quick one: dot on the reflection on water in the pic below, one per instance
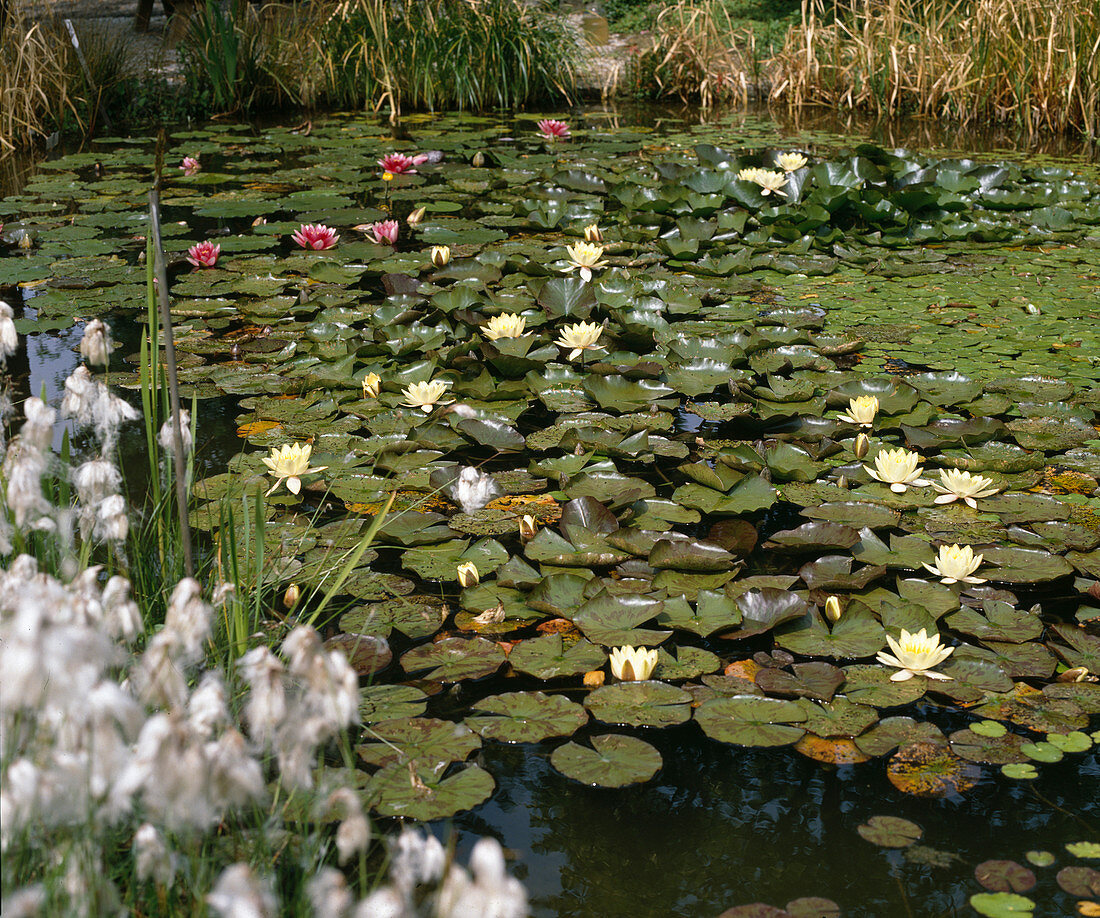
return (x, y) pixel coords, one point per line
(721, 826)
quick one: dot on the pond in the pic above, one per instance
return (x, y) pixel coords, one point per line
(775, 389)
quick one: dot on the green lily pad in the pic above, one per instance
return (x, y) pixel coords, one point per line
(613, 761)
(390, 702)
(549, 657)
(454, 659)
(423, 739)
(640, 704)
(526, 717)
(746, 720)
(1001, 905)
(424, 793)
(890, 832)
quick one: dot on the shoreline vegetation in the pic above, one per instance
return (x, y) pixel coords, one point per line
(1031, 65)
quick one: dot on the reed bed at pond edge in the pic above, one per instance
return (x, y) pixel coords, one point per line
(1024, 61)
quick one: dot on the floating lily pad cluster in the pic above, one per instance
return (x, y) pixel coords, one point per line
(1005, 881)
(686, 484)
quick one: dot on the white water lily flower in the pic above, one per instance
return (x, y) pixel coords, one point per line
(959, 485)
(580, 337)
(956, 564)
(770, 182)
(791, 162)
(898, 469)
(468, 575)
(586, 256)
(861, 411)
(372, 385)
(508, 325)
(290, 463)
(633, 664)
(426, 395)
(915, 654)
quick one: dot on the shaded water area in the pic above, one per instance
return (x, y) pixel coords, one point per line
(690, 476)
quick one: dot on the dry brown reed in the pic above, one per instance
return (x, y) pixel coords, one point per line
(697, 54)
(35, 87)
(1031, 62)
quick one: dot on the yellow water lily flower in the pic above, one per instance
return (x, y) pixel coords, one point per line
(586, 256)
(898, 469)
(959, 485)
(289, 464)
(956, 564)
(528, 527)
(592, 233)
(508, 325)
(861, 411)
(372, 385)
(770, 182)
(633, 664)
(441, 255)
(468, 575)
(791, 162)
(915, 654)
(426, 395)
(580, 337)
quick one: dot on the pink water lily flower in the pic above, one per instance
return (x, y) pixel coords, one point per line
(204, 255)
(190, 165)
(384, 233)
(553, 130)
(401, 163)
(315, 236)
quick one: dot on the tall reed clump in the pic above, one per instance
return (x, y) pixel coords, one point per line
(697, 53)
(139, 775)
(34, 85)
(446, 54)
(1033, 63)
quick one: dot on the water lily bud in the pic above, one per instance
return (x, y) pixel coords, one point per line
(842, 481)
(862, 444)
(833, 611)
(1032, 310)
(477, 160)
(468, 575)
(372, 385)
(527, 528)
(416, 216)
(441, 255)
(594, 679)
(592, 233)
(260, 221)
(1076, 674)
(292, 595)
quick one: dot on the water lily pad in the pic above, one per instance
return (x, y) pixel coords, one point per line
(891, 732)
(550, 657)
(890, 831)
(526, 717)
(640, 704)
(390, 702)
(424, 739)
(746, 720)
(613, 761)
(613, 620)
(831, 750)
(1001, 905)
(986, 749)
(423, 793)
(927, 769)
(1004, 876)
(1088, 849)
(818, 680)
(454, 659)
(857, 634)
(1079, 881)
